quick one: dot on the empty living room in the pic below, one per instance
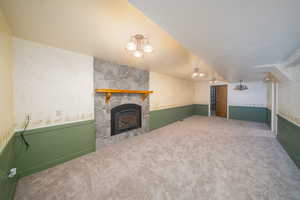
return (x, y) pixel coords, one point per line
(149, 100)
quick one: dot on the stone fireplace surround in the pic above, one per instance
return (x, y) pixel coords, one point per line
(108, 75)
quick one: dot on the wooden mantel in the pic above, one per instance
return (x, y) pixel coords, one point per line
(108, 93)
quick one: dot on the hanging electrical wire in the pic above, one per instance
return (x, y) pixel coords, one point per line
(22, 133)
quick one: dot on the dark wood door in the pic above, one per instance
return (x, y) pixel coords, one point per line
(221, 100)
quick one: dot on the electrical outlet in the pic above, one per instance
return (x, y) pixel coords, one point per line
(12, 172)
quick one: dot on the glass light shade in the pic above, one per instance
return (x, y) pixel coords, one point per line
(267, 79)
(213, 81)
(138, 54)
(148, 48)
(194, 75)
(131, 46)
(201, 74)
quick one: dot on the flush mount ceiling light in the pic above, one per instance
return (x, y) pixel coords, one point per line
(213, 80)
(139, 45)
(268, 78)
(197, 73)
(241, 86)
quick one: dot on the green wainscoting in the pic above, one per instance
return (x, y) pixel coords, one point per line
(7, 161)
(201, 109)
(289, 138)
(163, 117)
(49, 146)
(53, 145)
(255, 114)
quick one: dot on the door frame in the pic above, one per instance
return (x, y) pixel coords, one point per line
(209, 105)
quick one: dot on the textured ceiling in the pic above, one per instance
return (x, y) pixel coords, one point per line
(99, 28)
(233, 36)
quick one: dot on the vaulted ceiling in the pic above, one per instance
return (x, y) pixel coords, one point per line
(236, 37)
(240, 39)
(99, 28)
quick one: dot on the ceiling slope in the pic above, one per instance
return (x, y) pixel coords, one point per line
(98, 28)
(233, 36)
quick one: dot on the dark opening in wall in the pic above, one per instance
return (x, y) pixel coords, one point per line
(125, 117)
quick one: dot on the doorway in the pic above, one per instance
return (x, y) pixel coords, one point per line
(218, 100)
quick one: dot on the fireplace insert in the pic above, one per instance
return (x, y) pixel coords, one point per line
(125, 117)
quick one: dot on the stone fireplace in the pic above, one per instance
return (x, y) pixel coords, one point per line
(126, 115)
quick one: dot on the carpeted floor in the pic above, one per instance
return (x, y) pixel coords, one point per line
(198, 158)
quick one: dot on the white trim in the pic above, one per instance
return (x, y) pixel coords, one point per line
(276, 106)
(273, 107)
(209, 101)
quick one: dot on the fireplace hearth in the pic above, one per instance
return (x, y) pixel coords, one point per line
(125, 117)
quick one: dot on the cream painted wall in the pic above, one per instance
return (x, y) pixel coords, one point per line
(6, 95)
(169, 91)
(289, 96)
(202, 92)
(52, 85)
(255, 96)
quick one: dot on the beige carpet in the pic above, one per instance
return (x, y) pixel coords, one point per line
(198, 158)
